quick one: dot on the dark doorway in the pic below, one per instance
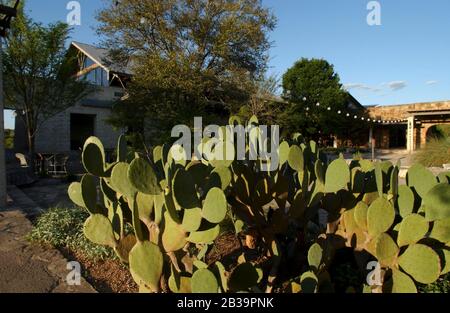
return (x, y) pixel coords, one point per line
(397, 136)
(82, 126)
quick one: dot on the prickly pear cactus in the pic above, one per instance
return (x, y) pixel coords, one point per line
(162, 214)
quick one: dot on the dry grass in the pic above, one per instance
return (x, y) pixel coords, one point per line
(435, 154)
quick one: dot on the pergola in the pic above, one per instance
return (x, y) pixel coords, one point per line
(422, 120)
(7, 13)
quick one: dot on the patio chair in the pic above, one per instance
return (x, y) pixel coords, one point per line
(23, 159)
(57, 165)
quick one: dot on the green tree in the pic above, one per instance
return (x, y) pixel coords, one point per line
(39, 77)
(264, 102)
(189, 57)
(310, 82)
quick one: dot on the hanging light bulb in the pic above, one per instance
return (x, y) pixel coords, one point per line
(318, 104)
(304, 98)
(348, 114)
(356, 117)
(329, 109)
(339, 112)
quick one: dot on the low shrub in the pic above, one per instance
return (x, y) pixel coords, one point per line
(62, 227)
(435, 153)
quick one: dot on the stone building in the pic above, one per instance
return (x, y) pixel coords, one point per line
(67, 131)
(408, 126)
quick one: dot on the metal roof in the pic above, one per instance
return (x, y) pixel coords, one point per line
(101, 57)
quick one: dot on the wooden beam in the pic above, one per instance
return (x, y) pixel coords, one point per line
(86, 70)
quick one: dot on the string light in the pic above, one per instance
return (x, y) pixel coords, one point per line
(380, 121)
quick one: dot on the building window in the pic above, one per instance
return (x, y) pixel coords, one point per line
(98, 76)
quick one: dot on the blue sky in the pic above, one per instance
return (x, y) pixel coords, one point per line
(406, 59)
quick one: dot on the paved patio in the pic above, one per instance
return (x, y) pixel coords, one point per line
(26, 267)
(49, 192)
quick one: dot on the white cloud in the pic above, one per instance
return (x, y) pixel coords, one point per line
(396, 85)
(360, 86)
(431, 82)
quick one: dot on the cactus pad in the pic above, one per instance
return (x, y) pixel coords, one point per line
(380, 217)
(337, 176)
(421, 262)
(215, 206)
(421, 179)
(98, 229)
(295, 158)
(386, 250)
(143, 178)
(413, 228)
(436, 202)
(146, 264)
(204, 281)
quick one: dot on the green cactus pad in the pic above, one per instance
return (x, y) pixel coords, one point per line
(93, 156)
(446, 258)
(379, 178)
(380, 217)
(192, 219)
(393, 186)
(204, 236)
(157, 154)
(145, 206)
(199, 264)
(444, 177)
(223, 154)
(75, 195)
(234, 120)
(315, 254)
(146, 264)
(421, 179)
(361, 215)
(174, 236)
(238, 226)
(243, 277)
(221, 177)
(401, 283)
(180, 285)
(421, 262)
(215, 206)
(441, 230)
(413, 228)
(366, 166)
(222, 274)
(309, 282)
(204, 281)
(436, 202)
(124, 247)
(319, 170)
(143, 178)
(405, 200)
(183, 189)
(170, 208)
(98, 229)
(337, 176)
(283, 152)
(89, 193)
(107, 191)
(120, 182)
(122, 149)
(295, 158)
(386, 250)
(178, 154)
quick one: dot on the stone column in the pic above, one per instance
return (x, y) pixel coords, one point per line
(410, 135)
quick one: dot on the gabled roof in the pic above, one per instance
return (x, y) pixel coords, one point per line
(101, 57)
